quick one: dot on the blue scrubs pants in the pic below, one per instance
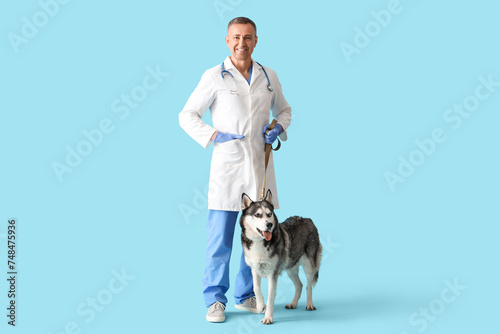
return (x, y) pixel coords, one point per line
(220, 230)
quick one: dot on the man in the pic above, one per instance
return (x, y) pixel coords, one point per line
(240, 93)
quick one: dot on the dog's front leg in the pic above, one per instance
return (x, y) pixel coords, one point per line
(258, 292)
(272, 283)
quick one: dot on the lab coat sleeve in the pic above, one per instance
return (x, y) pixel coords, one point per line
(190, 117)
(280, 109)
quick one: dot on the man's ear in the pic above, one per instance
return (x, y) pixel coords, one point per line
(269, 197)
(227, 40)
(245, 201)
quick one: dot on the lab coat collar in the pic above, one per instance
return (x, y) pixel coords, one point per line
(228, 64)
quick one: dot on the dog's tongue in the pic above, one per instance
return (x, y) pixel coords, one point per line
(267, 235)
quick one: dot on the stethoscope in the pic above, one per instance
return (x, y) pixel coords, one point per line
(235, 92)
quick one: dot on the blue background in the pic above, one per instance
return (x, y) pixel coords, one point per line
(137, 202)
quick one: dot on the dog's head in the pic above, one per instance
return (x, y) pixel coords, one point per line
(258, 220)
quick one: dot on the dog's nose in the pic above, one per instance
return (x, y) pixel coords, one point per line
(269, 226)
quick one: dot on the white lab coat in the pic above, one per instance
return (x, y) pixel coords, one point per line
(238, 165)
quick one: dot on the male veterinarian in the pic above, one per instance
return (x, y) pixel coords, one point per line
(240, 94)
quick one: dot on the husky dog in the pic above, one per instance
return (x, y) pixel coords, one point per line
(270, 248)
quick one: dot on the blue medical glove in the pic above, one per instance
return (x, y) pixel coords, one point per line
(222, 137)
(271, 136)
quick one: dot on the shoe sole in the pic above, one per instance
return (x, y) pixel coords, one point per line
(249, 309)
(215, 319)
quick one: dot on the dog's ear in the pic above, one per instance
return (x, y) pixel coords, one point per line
(269, 197)
(245, 201)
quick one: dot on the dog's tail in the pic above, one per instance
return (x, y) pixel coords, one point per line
(317, 261)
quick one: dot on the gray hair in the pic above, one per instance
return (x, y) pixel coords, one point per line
(242, 20)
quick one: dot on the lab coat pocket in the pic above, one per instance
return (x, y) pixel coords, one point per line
(228, 155)
(265, 97)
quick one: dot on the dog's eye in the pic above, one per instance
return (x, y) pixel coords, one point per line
(258, 215)
(269, 214)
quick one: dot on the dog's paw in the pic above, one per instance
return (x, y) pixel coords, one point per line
(261, 308)
(267, 320)
(310, 307)
(290, 306)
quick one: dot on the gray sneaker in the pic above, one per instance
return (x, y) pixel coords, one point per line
(216, 312)
(250, 305)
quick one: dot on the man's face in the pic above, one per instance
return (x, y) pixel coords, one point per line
(241, 40)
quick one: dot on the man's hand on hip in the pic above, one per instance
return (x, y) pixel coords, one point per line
(222, 137)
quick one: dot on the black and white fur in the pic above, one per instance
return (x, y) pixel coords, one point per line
(294, 242)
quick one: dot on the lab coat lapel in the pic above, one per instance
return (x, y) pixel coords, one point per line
(256, 69)
(238, 77)
(228, 64)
